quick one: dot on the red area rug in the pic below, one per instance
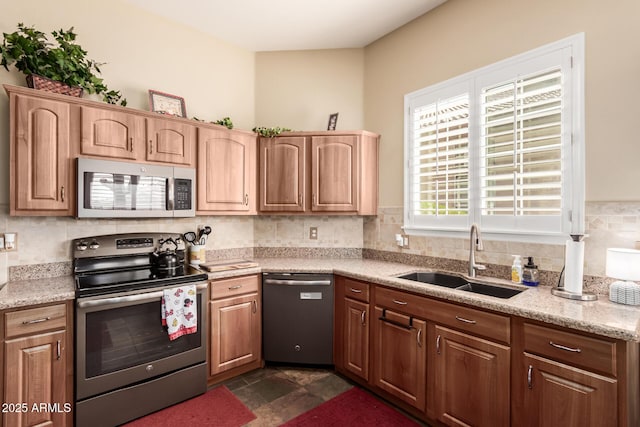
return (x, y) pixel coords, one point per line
(354, 407)
(217, 407)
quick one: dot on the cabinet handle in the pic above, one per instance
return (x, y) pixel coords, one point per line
(530, 377)
(300, 199)
(462, 319)
(419, 337)
(31, 322)
(131, 143)
(438, 344)
(355, 291)
(58, 350)
(255, 306)
(62, 193)
(400, 302)
(150, 147)
(565, 348)
(362, 317)
(313, 199)
(246, 199)
(235, 287)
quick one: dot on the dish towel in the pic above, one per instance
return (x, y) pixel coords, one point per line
(180, 311)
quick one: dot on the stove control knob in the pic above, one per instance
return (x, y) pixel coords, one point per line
(94, 245)
(149, 368)
(82, 246)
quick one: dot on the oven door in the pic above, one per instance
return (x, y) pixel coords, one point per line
(120, 341)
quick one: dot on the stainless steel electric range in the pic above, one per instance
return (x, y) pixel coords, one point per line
(126, 366)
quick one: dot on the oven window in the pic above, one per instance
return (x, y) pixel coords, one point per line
(124, 337)
(111, 191)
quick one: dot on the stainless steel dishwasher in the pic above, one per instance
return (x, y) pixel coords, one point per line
(297, 322)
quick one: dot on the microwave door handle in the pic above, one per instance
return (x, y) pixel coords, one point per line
(170, 194)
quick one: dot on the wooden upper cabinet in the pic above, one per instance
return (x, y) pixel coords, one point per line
(41, 163)
(334, 173)
(226, 171)
(110, 133)
(170, 142)
(320, 172)
(282, 174)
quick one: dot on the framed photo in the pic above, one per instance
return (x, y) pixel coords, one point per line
(164, 103)
(333, 120)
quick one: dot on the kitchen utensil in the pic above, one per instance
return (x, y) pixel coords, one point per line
(190, 237)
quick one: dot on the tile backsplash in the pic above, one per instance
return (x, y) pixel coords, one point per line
(46, 240)
(608, 224)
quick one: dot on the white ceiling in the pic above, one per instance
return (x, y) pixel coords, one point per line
(266, 25)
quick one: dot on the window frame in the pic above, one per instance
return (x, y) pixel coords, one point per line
(570, 54)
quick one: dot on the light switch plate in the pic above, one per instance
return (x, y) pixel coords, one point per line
(313, 233)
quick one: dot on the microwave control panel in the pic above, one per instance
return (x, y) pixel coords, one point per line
(182, 194)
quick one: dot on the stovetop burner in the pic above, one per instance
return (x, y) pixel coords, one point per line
(114, 267)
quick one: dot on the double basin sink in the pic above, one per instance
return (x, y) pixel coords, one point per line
(453, 281)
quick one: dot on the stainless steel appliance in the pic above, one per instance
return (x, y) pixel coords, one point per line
(126, 366)
(297, 319)
(110, 189)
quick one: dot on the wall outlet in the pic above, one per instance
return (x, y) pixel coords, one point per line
(402, 240)
(313, 233)
(9, 242)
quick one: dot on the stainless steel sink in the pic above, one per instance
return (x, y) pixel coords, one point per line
(462, 284)
(440, 279)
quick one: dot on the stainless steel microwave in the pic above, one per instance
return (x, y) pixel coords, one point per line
(115, 189)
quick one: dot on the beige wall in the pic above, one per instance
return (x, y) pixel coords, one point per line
(299, 89)
(463, 35)
(142, 52)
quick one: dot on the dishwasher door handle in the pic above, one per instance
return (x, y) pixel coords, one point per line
(297, 282)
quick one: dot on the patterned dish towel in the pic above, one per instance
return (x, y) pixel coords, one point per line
(180, 311)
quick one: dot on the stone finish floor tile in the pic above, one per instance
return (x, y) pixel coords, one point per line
(277, 394)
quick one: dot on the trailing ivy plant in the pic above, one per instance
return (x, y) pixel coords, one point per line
(226, 121)
(270, 132)
(65, 61)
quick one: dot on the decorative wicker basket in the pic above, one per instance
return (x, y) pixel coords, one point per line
(43, 83)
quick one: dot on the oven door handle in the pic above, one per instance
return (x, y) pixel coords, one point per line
(148, 296)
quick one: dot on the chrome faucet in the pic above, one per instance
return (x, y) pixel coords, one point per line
(475, 243)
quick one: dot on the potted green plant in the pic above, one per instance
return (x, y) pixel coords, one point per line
(50, 66)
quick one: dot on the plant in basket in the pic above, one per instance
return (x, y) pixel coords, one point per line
(61, 67)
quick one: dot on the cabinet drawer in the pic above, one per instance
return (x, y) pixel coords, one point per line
(402, 301)
(235, 286)
(574, 349)
(356, 290)
(476, 322)
(35, 320)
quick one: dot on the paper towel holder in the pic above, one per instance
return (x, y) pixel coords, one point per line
(560, 291)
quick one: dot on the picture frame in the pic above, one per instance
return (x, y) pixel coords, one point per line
(165, 103)
(333, 120)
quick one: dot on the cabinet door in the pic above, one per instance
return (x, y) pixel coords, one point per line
(334, 173)
(111, 133)
(235, 332)
(34, 374)
(561, 395)
(472, 379)
(171, 142)
(282, 174)
(41, 160)
(356, 338)
(226, 171)
(400, 356)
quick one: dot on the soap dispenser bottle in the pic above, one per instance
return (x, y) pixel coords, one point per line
(516, 269)
(530, 273)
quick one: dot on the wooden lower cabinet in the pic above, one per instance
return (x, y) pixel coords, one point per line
(235, 343)
(560, 395)
(472, 378)
(400, 356)
(37, 367)
(356, 338)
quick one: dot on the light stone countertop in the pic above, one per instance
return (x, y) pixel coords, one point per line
(601, 317)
